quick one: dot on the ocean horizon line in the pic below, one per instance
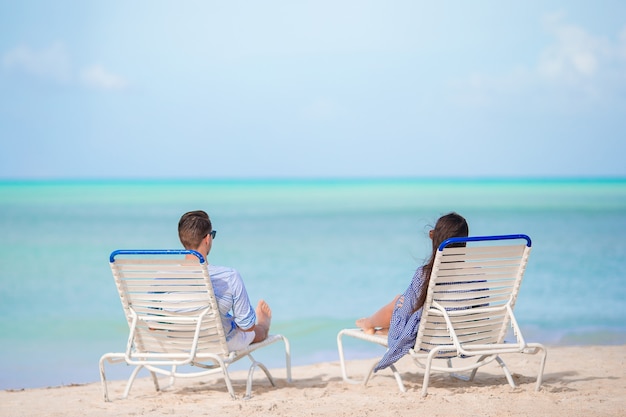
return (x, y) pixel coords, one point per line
(315, 180)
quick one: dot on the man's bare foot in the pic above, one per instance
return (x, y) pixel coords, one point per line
(263, 314)
(263, 321)
(365, 324)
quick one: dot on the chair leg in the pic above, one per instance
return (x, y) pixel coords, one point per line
(459, 376)
(103, 380)
(111, 358)
(344, 371)
(226, 376)
(429, 362)
(544, 354)
(155, 381)
(287, 357)
(395, 372)
(427, 368)
(343, 364)
(473, 374)
(253, 367)
(172, 376)
(369, 373)
(398, 378)
(506, 371)
(129, 384)
(342, 360)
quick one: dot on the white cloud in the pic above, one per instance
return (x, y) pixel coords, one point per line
(98, 77)
(576, 55)
(575, 64)
(51, 63)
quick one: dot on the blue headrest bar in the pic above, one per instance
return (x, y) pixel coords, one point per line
(155, 252)
(483, 238)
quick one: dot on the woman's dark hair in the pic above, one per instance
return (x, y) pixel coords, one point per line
(449, 225)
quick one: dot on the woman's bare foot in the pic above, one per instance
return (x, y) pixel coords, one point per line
(378, 323)
(264, 319)
(366, 325)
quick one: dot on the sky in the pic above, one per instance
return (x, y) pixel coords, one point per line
(118, 89)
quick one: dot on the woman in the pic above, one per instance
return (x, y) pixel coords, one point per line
(400, 318)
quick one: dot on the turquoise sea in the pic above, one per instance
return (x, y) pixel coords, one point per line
(321, 252)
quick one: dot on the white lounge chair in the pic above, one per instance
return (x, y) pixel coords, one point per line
(467, 311)
(174, 320)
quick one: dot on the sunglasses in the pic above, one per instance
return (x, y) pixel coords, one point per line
(212, 233)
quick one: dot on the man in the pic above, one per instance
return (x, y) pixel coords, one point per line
(242, 324)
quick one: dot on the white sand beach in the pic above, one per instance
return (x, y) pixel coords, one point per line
(578, 381)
